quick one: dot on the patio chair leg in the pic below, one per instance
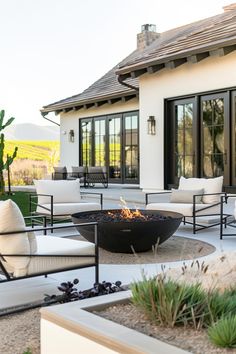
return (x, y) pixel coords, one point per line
(96, 274)
(194, 224)
(51, 222)
(45, 224)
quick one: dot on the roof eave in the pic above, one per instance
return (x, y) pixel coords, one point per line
(180, 55)
(89, 102)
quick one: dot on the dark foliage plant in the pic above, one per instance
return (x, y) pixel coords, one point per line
(70, 292)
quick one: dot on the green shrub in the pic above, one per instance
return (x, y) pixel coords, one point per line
(223, 332)
(221, 305)
(21, 199)
(169, 303)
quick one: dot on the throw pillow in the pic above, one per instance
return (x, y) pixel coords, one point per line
(185, 196)
(12, 220)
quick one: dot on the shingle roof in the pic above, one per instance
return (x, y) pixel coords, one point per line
(106, 86)
(192, 38)
(197, 37)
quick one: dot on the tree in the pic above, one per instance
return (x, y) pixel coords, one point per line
(4, 165)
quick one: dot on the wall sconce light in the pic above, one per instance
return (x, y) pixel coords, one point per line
(71, 136)
(151, 125)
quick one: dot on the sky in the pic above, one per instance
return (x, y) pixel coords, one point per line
(53, 49)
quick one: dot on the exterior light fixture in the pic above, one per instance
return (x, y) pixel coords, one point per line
(71, 136)
(151, 125)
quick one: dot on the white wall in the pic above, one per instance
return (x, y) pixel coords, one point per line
(69, 152)
(210, 74)
(58, 340)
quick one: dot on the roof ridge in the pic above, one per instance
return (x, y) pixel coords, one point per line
(152, 49)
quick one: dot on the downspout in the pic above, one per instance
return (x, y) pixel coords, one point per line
(43, 114)
(127, 85)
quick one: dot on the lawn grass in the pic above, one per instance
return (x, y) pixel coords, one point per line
(21, 199)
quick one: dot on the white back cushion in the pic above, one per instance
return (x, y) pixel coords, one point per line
(62, 191)
(210, 185)
(12, 220)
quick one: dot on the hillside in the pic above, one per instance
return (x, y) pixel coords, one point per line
(29, 132)
(34, 160)
(34, 150)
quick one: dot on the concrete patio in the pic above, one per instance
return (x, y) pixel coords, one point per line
(31, 290)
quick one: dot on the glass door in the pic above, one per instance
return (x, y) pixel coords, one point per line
(131, 149)
(86, 142)
(114, 138)
(214, 137)
(100, 142)
(112, 141)
(233, 137)
(180, 141)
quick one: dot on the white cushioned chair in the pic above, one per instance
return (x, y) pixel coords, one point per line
(25, 255)
(197, 199)
(61, 199)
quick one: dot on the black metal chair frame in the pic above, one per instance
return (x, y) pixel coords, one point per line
(49, 211)
(9, 277)
(225, 218)
(196, 226)
(91, 178)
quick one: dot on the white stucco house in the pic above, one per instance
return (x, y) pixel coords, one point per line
(183, 83)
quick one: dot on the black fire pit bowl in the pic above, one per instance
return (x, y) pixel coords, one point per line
(128, 236)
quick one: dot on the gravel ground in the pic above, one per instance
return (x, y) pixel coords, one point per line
(191, 340)
(20, 332)
(174, 249)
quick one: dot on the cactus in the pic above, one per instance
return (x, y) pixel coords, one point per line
(4, 165)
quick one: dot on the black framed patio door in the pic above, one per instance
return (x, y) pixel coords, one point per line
(197, 138)
(180, 141)
(112, 141)
(215, 136)
(123, 148)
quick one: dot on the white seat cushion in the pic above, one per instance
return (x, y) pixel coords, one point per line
(210, 185)
(56, 245)
(184, 209)
(62, 191)
(12, 220)
(69, 208)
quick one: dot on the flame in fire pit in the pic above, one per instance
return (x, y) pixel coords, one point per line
(126, 213)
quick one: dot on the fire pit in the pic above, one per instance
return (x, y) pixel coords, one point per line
(127, 230)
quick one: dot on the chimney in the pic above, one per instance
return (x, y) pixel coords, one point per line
(147, 36)
(229, 7)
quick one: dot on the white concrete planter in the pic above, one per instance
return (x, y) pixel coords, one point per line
(71, 328)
